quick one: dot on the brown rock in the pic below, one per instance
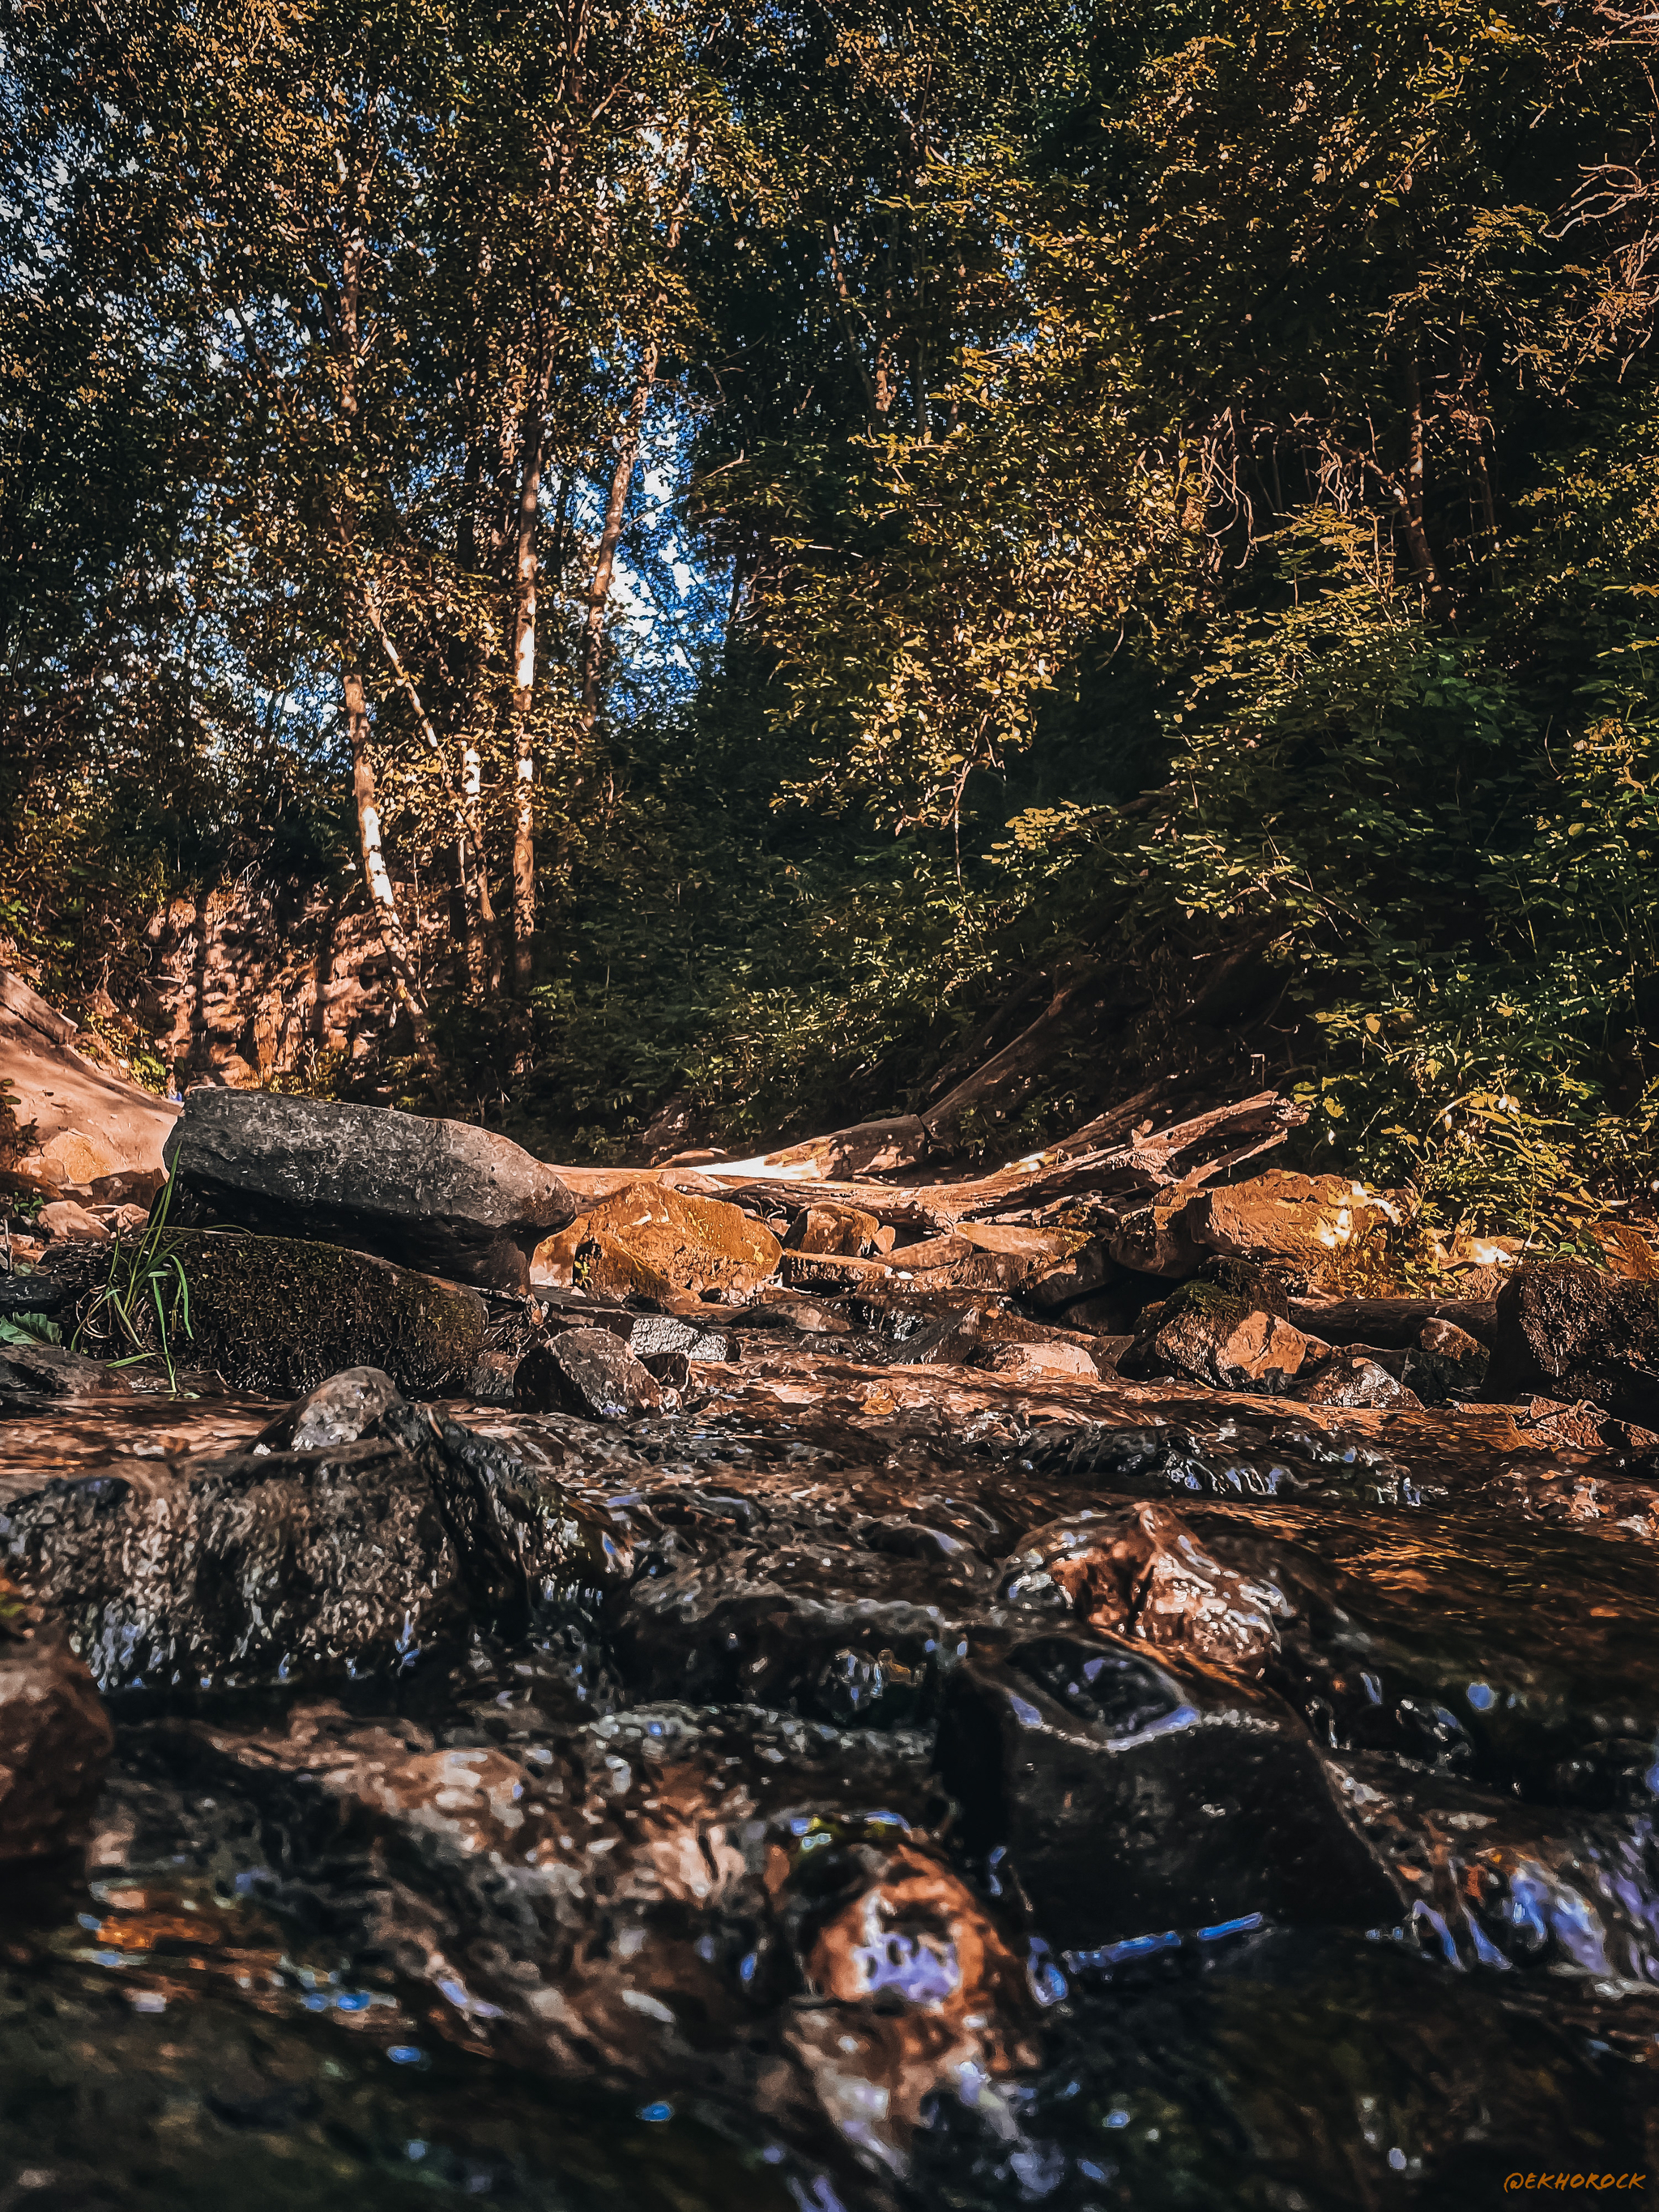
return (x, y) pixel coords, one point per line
(1222, 1339)
(1034, 1362)
(1446, 1340)
(829, 1227)
(600, 1264)
(1042, 1247)
(833, 1272)
(55, 1738)
(930, 1253)
(72, 1224)
(1583, 1427)
(1310, 1220)
(916, 1935)
(1081, 1273)
(867, 1148)
(693, 1243)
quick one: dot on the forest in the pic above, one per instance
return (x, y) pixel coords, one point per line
(763, 538)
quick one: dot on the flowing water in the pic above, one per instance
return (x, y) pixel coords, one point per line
(904, 1797)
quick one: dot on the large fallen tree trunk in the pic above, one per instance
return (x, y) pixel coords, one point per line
(1142, 1166)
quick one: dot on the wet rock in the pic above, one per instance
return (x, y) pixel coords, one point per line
(1258, 2067)
(261, 1567)
(55, 1739)
(490, 1382)
(337, 1412)
(1353, 1377)
(1139, 1572)
(530, 1551)
(1129, 1800)
(57, 1372)
(1497, 1884)
(1510, 1657)
(587, 1371)
(693, 1243)
(279, 1316)
(441, 1196)
(1582, 1498)
(1215, 1336)
(1567, 1331)
(720, 1903)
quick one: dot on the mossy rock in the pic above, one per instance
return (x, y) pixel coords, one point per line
(278, 1315)
(1213, 1300)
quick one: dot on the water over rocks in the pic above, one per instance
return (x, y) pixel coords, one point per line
(868, 1773)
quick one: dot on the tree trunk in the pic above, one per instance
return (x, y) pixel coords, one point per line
(524, 687)
(622, 478)
(1411, 498)
(383, 900)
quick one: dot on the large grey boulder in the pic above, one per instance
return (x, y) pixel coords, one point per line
(439, 1195)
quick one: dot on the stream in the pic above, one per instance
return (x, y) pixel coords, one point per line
(868, 1787)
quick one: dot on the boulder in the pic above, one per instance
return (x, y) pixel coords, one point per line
(588, 1372)
(55, 1738)
(441, 1196)
(1566, 1331)
(600, 1264)
(1215, 1336)
(1309, 1221)
(1130, 1800)
(490, 1380)
(264, 1568)
(258, 1568)
(279, 1316)
(679, 1240)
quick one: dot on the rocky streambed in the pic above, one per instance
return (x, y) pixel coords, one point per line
(789, 1751)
